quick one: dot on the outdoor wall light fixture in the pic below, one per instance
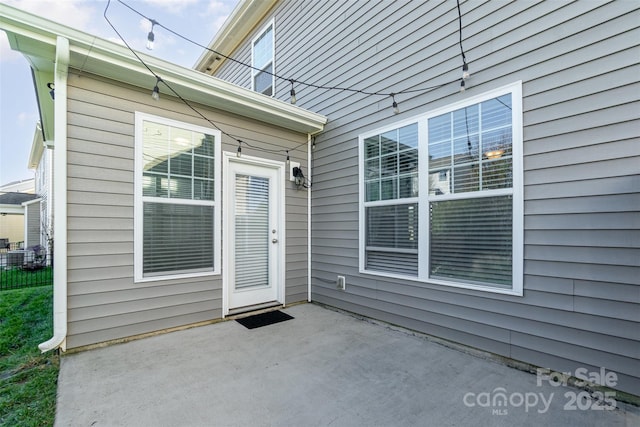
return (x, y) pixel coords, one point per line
(52, 90)
(299, 176)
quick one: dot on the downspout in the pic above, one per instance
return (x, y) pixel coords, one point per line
(309, 219)
(59, 200)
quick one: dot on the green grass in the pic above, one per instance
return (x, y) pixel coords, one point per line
(28, 378)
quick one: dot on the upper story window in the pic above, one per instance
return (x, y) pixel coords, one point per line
(177, 204)
(262, 60)
(464, 227)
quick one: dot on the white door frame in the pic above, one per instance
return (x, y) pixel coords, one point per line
(279, 202)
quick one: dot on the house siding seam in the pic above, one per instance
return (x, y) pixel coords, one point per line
(578, 64)
(104, 302)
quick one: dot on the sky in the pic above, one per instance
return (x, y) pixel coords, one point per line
(198, 20)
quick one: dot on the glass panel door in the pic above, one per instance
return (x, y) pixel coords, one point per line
(252, 231)
(253, 236)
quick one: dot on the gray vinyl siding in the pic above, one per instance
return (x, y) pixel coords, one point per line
(578, 62)
(104, 302)
(32, 215)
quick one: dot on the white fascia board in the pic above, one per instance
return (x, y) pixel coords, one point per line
(36, 38)
(244, 18)
(11, 209)
(30, 202)
(37, 148)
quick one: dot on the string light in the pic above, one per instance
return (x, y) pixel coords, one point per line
(465, 71)
(396, 110)
(187, 103)
(156, 90)
(151, 37)
(465, 66)
(288, 160)
(311, 85)
(293, 94)
(239, 153)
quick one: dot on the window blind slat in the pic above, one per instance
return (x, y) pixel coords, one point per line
(395, 228)
(251, 231)
(177, 237)
(471, 240)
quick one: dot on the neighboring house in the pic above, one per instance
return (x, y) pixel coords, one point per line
(16, 214)
(12, 213)
(143, 186)
(22, 186)
(505, 217)
(26, 217)
(40, 160)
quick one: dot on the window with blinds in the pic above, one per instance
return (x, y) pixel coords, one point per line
(469, 230)
(262, 58)
(176, 169)
(391, 191)
(470, 152)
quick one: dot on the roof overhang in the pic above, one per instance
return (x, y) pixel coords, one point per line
(35, 37)
(244, 18)
(11, 209)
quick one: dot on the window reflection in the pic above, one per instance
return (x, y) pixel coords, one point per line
(470, 149)
(177, 163)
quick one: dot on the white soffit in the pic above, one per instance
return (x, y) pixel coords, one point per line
(35, 38)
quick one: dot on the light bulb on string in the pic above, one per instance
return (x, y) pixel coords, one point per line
(239, 153)
(396, 109)
(462, 85)
(465, 71)
(155, 94)
(288, 160)
(151, 37)
(293, 94)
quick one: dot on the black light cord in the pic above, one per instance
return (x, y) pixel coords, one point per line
(292, 81)
(311, 85)
(464, 58)
(187, 103)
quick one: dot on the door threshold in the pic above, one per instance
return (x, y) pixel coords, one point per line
(253, 309)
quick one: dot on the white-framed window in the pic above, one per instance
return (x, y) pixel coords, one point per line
(263, 60)
(441, 195)
(177, 193)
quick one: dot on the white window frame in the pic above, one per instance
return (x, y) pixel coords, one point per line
(139, 198)
(254, 72)
(423, 199)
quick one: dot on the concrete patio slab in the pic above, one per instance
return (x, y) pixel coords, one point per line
(323, 368)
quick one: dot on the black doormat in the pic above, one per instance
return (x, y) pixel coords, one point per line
(263, 319)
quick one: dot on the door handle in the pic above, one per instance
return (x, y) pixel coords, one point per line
(274, 241)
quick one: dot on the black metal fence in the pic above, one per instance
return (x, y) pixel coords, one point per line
(21, 268)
